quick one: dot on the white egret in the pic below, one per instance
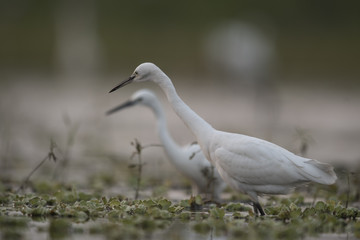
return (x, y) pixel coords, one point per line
(250, 165)
(188, 160)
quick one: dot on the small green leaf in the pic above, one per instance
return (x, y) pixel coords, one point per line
(198, 200)
(113, 203)
(321, 206)
(237, 215)
(217, 213)
(309, 212)
(175, 209)
(284, 212)
(39, 211)
(185, 203)
(164, 203)
(36, 201)
(233, 207)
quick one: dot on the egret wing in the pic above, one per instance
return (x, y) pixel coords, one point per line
(257, 162)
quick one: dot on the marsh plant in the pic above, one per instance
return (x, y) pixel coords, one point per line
(139, 165)
(50, 156)
(72, 130)
(67, 210)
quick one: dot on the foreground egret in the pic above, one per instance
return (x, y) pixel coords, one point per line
(189, 160)
(250, 165)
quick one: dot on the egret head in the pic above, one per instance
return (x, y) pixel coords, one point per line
(144, 72)
(141, 97)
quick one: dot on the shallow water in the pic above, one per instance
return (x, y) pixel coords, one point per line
(176, 230)
(200, 226)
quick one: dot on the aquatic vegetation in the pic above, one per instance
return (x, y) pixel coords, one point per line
(139, 165)
(49, 156)
(68, 211)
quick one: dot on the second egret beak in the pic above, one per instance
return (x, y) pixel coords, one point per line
(124, 105)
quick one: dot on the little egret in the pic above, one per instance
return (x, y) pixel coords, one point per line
(250, 165)
(188, 160)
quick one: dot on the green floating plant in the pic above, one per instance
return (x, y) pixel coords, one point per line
(233, 207)
(195, 203)
(217, 213)
(127, 219)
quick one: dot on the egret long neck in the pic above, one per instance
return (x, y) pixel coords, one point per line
(172, 149)
(198, 126)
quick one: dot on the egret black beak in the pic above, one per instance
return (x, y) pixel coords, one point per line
(124, 105)
(123, 83)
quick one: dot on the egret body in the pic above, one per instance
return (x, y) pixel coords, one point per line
(188, 160)
(250, 165)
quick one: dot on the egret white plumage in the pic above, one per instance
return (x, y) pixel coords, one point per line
(250, 165)
(189, 159)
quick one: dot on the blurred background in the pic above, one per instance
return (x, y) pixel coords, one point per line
(284, 71)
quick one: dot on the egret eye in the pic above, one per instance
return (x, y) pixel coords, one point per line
(136, 73)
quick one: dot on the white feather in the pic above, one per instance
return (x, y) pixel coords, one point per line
(250, 165)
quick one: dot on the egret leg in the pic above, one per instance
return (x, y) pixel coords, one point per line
(257, 208)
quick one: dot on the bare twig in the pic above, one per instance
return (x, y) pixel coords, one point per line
(348, 190)
(137, 152)
(50, 156)
(72, 130)
(139, 165)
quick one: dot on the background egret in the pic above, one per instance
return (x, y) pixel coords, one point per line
(188, 160)
(250, 165)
